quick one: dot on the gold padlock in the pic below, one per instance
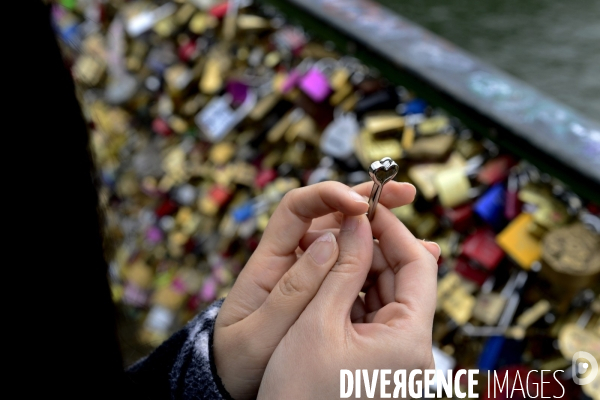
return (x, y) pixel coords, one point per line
(431, 147)
(340, 94)
(433, 125)
(201, 22)
(382, 122)
(452, 186)
(368, 149)
(339, 78)
(571, 257)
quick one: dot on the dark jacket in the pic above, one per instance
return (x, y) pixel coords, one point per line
(60, 320)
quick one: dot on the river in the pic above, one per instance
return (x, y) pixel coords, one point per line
(553, 45)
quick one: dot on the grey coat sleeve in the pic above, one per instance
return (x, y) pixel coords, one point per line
(182, 368)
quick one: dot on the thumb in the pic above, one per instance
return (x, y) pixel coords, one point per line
(345, 280)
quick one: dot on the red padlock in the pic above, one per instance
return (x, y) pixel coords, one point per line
(481, 247)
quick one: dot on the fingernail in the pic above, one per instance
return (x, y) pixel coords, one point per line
(322, 248)
(439, 249)
(357, 197)
(349, 223)
(438, 246)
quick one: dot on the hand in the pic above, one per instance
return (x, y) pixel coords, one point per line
(396, 194)
(336, 331)
(275, 285)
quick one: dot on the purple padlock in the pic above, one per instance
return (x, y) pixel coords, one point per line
(154, 235)
(315, 84)
(238, 91)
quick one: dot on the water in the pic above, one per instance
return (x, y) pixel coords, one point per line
(552, 45)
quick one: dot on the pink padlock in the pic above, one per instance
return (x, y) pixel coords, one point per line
(209, 289)
(315, 84)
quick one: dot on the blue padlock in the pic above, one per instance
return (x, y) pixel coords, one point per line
(415, 106)
(488, 360)
(243, 212)
(490, 207)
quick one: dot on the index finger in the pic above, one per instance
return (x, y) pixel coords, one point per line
(276, 252)
(299, 207)
(395, 194)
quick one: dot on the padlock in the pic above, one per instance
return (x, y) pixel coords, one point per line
(201, 22)
(146, 19)
(166, 27)
(414, 106)
(341, 94)
(452, 186)
(516, 241)
(383, 122)
(431, 147)
(89, 70)
(315, 84)
(238, 91)
(496, 170)
(433, 125)
(215, 66)
(579, 336)
(338, 138)
(490, 206)
(339, 78)
(217, 118)
(177, 77)
(454, 299)
(571, 257)
(422, 175)
(551, 214)
(481, 248)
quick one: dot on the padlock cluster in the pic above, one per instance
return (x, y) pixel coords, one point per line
(204, 113)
